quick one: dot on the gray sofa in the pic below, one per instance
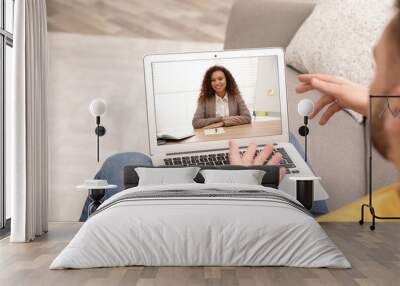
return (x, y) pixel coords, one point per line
(337, 151)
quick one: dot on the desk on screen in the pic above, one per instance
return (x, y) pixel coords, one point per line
(255, 129)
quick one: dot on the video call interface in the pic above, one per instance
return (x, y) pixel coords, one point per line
(216, 99)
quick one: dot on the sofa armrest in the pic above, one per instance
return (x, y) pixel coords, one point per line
(265, 23)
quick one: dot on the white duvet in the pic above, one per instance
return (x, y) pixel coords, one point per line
(200, 231)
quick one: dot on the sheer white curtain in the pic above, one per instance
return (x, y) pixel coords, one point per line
(27, 122)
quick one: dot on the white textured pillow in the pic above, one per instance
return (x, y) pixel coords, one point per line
(166, 176)
(338, 38)
(248, 177)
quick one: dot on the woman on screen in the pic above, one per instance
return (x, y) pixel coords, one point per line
(220, 103)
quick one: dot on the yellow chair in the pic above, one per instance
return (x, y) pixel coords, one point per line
(386, 202)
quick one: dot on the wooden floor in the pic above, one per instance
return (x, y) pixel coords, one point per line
(375, 257)
(187, 20)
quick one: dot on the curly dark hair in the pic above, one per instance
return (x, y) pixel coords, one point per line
(208, 91)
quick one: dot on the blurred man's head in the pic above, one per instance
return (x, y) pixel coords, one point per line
(386, 126)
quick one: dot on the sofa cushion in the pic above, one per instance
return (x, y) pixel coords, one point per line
(338, 38)
(265, 23)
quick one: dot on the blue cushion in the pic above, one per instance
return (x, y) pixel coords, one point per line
(112, 170)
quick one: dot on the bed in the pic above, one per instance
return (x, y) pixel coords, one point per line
(197, 224)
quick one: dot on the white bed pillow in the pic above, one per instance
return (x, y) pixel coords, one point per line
(338, 38)
(248, 177)
(166, 176)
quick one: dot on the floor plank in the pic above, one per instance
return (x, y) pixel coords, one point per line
(375, 257)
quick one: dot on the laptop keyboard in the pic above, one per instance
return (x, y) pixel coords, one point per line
(220, 159)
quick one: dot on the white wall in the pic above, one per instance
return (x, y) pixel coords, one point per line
(84, 67)
(267, 78)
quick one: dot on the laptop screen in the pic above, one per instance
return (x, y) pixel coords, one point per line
(216, 99)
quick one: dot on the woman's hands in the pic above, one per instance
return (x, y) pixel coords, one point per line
(214, 125)
(221, 123)
(231, 117)
(249, 158)
(339, 93)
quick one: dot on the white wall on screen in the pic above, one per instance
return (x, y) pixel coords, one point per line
(267, 78)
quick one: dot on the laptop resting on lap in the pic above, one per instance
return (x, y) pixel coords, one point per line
(197, 102)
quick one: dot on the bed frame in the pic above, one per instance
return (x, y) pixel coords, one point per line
(270, 179)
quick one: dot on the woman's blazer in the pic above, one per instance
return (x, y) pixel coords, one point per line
(205, 113)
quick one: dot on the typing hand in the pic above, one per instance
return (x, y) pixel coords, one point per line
(249, 158)
(338, 93)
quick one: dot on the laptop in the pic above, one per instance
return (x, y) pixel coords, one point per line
(178, 133)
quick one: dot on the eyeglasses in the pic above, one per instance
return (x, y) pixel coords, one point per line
(391, 104)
